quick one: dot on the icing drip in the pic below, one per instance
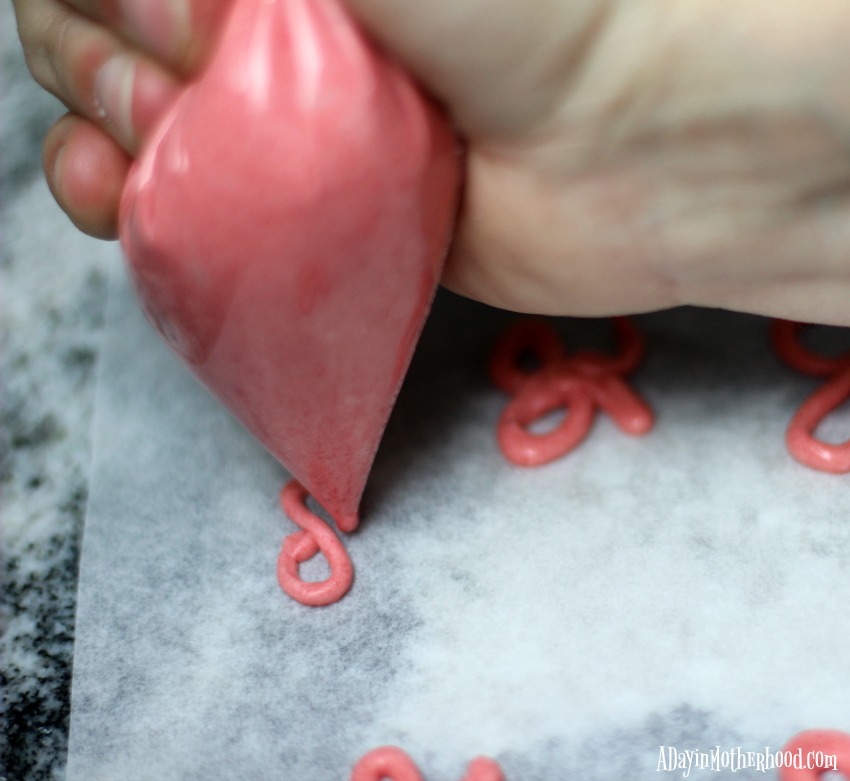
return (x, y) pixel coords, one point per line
(314, 536)
(579, 383)
(817, 747)
(799, 437)
(389, 763)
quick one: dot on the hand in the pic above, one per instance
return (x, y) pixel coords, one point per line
(622, 157)
(115, 64)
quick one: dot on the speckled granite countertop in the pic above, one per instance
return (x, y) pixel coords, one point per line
(52, 291)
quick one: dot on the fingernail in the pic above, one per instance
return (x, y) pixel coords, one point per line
(161, 25)
(113, 92)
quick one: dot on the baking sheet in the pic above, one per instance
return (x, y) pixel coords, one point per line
(684, 589)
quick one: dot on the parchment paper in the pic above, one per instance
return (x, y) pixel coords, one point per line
(688, 588)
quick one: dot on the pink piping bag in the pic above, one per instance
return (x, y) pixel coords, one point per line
(285, 230)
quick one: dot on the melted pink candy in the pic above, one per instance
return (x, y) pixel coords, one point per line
(814, 744)
(389, 763)
(285, 228)
(579, 383)
(315, 536)
(799, 437)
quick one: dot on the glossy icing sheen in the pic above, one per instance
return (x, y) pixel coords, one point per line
(814, 746)
(389, 763)
(800, 437)
(579, 384)
(285, 230)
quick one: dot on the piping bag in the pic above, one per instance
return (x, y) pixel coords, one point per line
(285, 230)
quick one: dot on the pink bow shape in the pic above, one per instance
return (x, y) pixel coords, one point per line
(799, 437)
(816, 746)
(392, 764)
(579, 383)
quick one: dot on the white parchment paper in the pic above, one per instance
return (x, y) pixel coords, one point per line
(688, 588)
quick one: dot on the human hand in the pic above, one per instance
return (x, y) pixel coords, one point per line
(116, 64)
(621, 157)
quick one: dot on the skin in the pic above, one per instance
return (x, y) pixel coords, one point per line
(622, 156)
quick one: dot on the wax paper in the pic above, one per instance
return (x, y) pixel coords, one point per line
(684, 589)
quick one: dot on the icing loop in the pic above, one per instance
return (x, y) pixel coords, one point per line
(315, 536)
(812, 752)
(579, 383)
(389, 763)
(799, 437)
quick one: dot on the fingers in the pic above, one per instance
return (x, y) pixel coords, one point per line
(177, 33)
(62, 50)
(116, 64)
(159, 27)
(85, 171)
(92, 71)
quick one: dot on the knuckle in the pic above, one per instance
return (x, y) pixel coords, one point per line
(31, 33)
(43, 32)
(58, 32)
(41, 70)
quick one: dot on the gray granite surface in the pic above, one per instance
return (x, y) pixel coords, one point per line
(52, 295)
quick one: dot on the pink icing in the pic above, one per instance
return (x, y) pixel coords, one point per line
(579, 383)
(817, 744)
(315, 536)
(799, 437)
(285, 229)
(389, 763)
